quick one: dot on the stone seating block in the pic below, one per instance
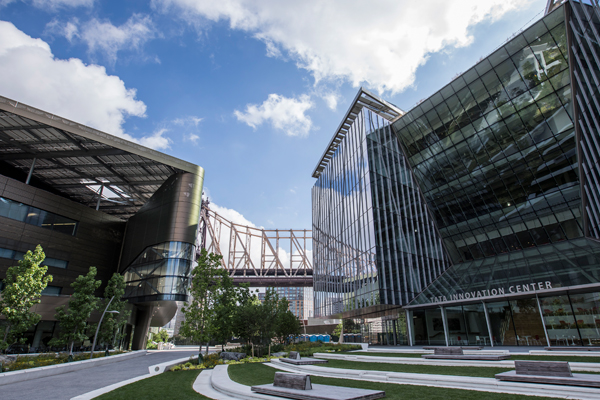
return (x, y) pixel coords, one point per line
(543, 368)
(442, 351)
(294, 355)
(292, 381)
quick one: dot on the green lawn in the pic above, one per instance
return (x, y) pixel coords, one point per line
(258, 374)
(514, 357)
(167, 386)
(487, 372)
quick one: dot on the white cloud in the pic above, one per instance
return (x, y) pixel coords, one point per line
(105, 38)
(30, 73)
(331, 99)
(54, 4)
(186, 121)
(192, 137)
(379, 45)
(283, 113)
(156, 140)
(232, 215)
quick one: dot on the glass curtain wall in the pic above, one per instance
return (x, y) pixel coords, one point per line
(345, 273)
(374, 242)
(494, 151)
(585, 53)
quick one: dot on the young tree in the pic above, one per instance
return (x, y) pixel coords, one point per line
(246, 317)
(82, 303)
(111, 330)
(286, 324)
(226, 301)
(24, 284)
(199, 312)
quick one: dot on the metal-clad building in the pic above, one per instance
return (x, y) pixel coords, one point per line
(93, 199)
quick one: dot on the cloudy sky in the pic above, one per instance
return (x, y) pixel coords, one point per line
(251, 90)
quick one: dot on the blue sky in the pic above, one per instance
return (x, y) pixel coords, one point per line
(252, 91)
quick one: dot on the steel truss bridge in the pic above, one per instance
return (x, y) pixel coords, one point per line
(261, 257)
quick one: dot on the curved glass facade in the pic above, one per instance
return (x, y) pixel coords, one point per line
(161, 272)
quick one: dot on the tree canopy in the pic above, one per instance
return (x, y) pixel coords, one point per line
(24, 284)
(83, 301)
(111, 330)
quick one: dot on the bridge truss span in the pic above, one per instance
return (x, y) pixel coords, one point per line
(261, 257)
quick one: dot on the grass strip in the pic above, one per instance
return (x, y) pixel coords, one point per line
(513, 357)
(258, 374)
(166, 386)
(487, 372)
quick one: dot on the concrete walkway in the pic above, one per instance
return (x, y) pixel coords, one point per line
(72, 384)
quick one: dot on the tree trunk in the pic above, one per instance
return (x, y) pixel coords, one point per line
(269, 349)
(207, 348)
(71, 349)
(252, 349)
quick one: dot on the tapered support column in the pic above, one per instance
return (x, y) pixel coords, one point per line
(142, 324)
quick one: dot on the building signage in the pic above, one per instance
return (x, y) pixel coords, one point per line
(496, 292)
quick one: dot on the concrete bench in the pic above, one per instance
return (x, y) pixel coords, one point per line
(462, 347)
(456, 353)
(297, 386)
(294, 358)
(292, 381)
(550, 372)
(572, 348)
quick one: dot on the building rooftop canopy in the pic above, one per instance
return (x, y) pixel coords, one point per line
(363, 99)
(82, 163)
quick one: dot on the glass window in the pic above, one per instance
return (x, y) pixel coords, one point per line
(587, 315)
(503, 332)
(528, 323)
(559, 320)
(52, 290)
(35, 216)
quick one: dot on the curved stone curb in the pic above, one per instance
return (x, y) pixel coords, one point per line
(110, 388)
(163, 367)
(446, 381)
(50, 370)
(575, 366)
(220, 381)
(203, 386)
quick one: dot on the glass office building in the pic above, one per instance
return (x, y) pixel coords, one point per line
(376, 246)
(505, 159)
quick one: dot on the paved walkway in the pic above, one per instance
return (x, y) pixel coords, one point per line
(72, 384)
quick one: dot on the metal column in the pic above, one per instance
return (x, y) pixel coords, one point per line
(487, 322)
(409, 322)
(99, 197)
(445, 323)
(31, 170)
(537, 299)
